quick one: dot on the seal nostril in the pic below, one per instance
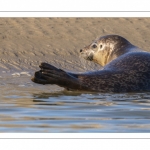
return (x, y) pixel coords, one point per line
(81, 50)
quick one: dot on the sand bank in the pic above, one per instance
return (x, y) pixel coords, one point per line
(26, 42)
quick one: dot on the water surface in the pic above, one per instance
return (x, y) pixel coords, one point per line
(29, 107)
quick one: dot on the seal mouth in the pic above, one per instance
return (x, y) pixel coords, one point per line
(87, 56)
(90, 57)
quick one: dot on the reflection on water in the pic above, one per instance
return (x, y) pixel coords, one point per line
(29, 107)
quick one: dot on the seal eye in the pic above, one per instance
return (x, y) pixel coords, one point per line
(94, 46)
(101, 46)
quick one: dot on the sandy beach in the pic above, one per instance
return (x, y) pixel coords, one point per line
(26, 42)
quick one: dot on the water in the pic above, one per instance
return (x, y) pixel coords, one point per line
(29, 107)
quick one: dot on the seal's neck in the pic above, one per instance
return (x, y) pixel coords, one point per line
(102, 57)
(121, 51)
(106, 56)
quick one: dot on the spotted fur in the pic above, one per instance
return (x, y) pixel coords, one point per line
(126, 68)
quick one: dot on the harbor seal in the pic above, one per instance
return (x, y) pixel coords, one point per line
(126, 68)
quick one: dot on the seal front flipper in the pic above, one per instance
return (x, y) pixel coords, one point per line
(40, 78)
(52, 75)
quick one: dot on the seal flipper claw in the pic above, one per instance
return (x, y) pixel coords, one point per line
(38, 78)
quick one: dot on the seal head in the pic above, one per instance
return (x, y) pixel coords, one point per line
(104, 49)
